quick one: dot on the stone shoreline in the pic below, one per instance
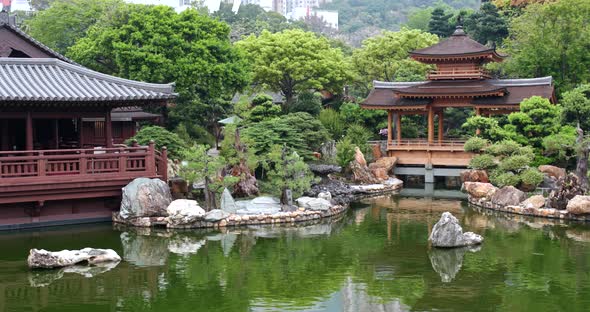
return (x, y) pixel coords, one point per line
(534, 212)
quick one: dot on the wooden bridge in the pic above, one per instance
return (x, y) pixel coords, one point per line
(44, 175)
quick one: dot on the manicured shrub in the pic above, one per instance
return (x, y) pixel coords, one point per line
(482, 162)
(333, 122)
(504, 148)
(475, 144)
(161, 137)
(531, 177)
(344, 152)
(501, 179)
(515, 163)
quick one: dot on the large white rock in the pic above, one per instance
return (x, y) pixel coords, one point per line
(145, 197)
(447, 232)
(228, 204)
(311, 203)
(41, 258)
(325, 195)
(184, 211)
(259, 205)
(216, 215)
(579, 205)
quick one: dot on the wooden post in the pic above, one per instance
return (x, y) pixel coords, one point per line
(440, 126)
(56, 133)
(122, 161)
(150, 159)
(477, 113)
(108, 129)
(430, 125)
(29, 132)
(398, 128)
(389, 127)
(164, 165)
(41, 165)
(80, 133)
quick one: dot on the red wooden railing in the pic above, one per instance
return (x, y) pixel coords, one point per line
(133, 161)
(421, 144)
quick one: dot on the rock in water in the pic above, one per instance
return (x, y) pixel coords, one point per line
(41, 258)
(448, 262)
(508, 196)
(325, 195)
(447, 232)
(145, 197)
(579, 205)
(228, 204)
(216, 215)
(260, 205)
(184, 211)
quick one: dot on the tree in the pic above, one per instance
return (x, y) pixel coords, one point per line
(486, 25)
(292, 61)
(156, 44)
(576, 107)
(440, 23)
(308, 102)
(419, 19)
(263, 108)
(161, 138)
(66, 21)
(287, 171)
(386, 57)
(551, 40)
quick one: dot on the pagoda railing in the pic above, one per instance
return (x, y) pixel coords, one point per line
(459, 74)
(423, 144)
(134, 161)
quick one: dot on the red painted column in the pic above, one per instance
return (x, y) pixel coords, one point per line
(29, 132)
(108, 129)
(56, 133)
(80, 133)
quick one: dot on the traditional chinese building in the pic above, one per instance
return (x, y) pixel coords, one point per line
(458, 80)
(61, 129)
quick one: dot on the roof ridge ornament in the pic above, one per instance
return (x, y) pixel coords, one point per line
(4, 18)
(459, 31)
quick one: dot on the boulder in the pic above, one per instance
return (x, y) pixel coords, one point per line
(324, 170)
(579, 205)
(360, 171)
(508, 196)
(325, 195)
(376, 149)
(184, 211)
(328, 151)
(341, 192)
(474, 175)
(382, 167)
(228, 204)
(447, 232)
(311, 203)
(259, 205)
(247, 185)
(41, 258)
(216, 215)
(178, 187)
(537, 202)
(145, 197)
(553, 171)
(479, 189)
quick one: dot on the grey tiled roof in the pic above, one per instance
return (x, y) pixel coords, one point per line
(45, 79)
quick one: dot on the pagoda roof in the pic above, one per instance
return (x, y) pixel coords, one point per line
(507, 92)
(53, 80)
(458, 45)
(7, 22)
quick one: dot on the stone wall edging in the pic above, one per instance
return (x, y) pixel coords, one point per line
(551, 213)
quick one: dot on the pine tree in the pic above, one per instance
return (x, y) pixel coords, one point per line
(487, 26)
(440, 23)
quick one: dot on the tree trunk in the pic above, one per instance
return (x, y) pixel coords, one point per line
(582, 164)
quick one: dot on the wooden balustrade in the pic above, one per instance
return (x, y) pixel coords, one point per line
(458, 74)
(136, 161)
(422, 144)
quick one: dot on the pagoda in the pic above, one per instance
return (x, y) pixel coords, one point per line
(458, 80)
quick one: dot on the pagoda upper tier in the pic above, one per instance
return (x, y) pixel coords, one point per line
(457, 57)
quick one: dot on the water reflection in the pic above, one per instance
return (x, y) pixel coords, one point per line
(448, 262)
(42, 278)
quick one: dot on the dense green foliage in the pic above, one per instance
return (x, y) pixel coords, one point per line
(386, 57)
(292, 61)
(576, 107)
(345, 152)
(551, 40)
(475, 144)
(156, 44)
(307, 102)
(333, 122)
(161, 138)
(66, 21)
(263, 108)
(486, 25)
(440, 23)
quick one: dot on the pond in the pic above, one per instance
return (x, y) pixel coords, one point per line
(373, 258)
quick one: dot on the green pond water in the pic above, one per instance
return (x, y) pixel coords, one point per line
(373, 258)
